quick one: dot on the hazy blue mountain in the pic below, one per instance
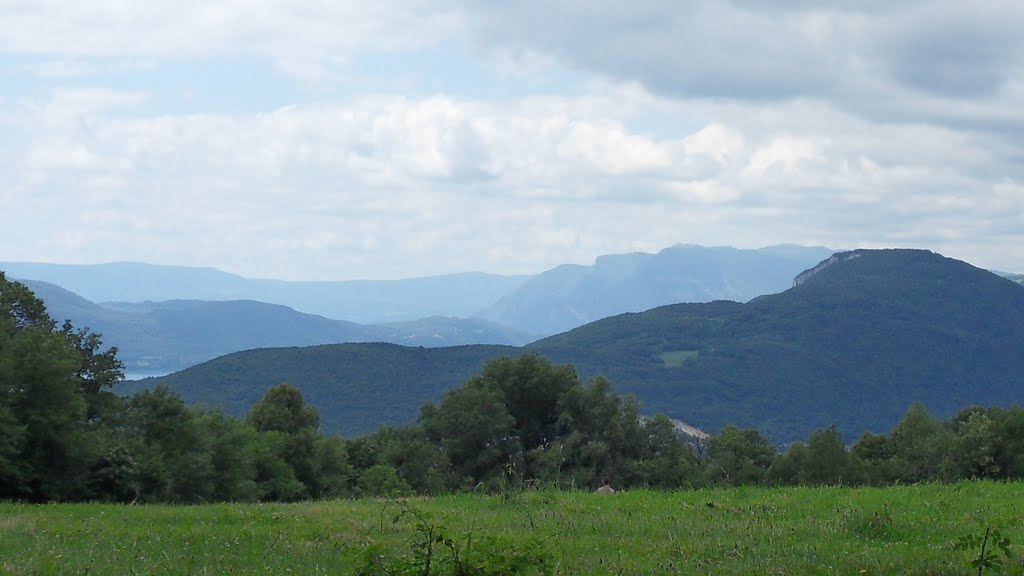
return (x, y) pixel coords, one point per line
(853, 344)
(364, 301)
(171, 335)
(572, 295)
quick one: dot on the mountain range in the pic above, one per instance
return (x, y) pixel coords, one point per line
(161, 337)
(572, 295)
(853, 342)
(543, 304)
(362, 301)
(165, 318)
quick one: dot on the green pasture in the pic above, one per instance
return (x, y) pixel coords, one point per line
(677, 358)
(898, 530)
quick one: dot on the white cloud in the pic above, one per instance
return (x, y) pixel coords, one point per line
(748, 123)
(715, 141)
(611, 149)
(382, 186)
(783, 156)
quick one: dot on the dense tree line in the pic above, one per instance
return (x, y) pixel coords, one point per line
(521, 422)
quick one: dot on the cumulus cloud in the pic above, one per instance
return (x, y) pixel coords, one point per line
(877, 59)
(327, 190)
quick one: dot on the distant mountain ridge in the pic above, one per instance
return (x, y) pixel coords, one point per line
(363, 301)
(854, 344)
(168, 317)
(573, 295)
(559, 299)
(171, 335)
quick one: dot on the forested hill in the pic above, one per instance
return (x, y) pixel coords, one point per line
(853, 344)
(356, 387)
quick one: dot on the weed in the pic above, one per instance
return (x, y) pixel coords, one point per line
(432, 551)
(984, 550)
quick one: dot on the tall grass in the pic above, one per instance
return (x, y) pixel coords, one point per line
(898, 530)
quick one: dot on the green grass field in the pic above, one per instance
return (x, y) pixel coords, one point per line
(899, 530)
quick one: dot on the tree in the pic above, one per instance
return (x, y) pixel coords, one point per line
(601, 434)
(1008, 425)
(173, 455)
(233, 448)
(531, 390)
(275, 476)
(36, 371)
(475, 430)
(97, 373)
(739, 456)
(875, 453)
(917, 445)
(319, 466)
(667, 461)
(828, 461)
(334, 473)
(418, 461)
(382, 480)
(47, 380)
(973, 446)
(282, 409)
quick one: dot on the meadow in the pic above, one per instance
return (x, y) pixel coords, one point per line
(927, 529)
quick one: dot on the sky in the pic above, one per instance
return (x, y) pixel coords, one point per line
(344, 139)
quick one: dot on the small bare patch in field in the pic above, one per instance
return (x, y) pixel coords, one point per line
(13, 522)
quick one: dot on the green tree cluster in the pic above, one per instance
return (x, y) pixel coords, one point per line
(54, 402)
(65, 436)
(525, 421)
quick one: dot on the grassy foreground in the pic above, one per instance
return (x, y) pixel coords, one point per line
(900, 530)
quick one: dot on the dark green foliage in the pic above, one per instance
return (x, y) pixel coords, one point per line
(477, 433)
(739, 457)
(233, 448)
(316, 466)
(174, 459)
(275, 477)
(525, 420)
(823, 461)
(46, 376)
(283, 409)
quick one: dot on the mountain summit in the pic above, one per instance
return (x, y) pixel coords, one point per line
(858, 338)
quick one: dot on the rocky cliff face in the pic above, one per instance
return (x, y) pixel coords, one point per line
(834, 259)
